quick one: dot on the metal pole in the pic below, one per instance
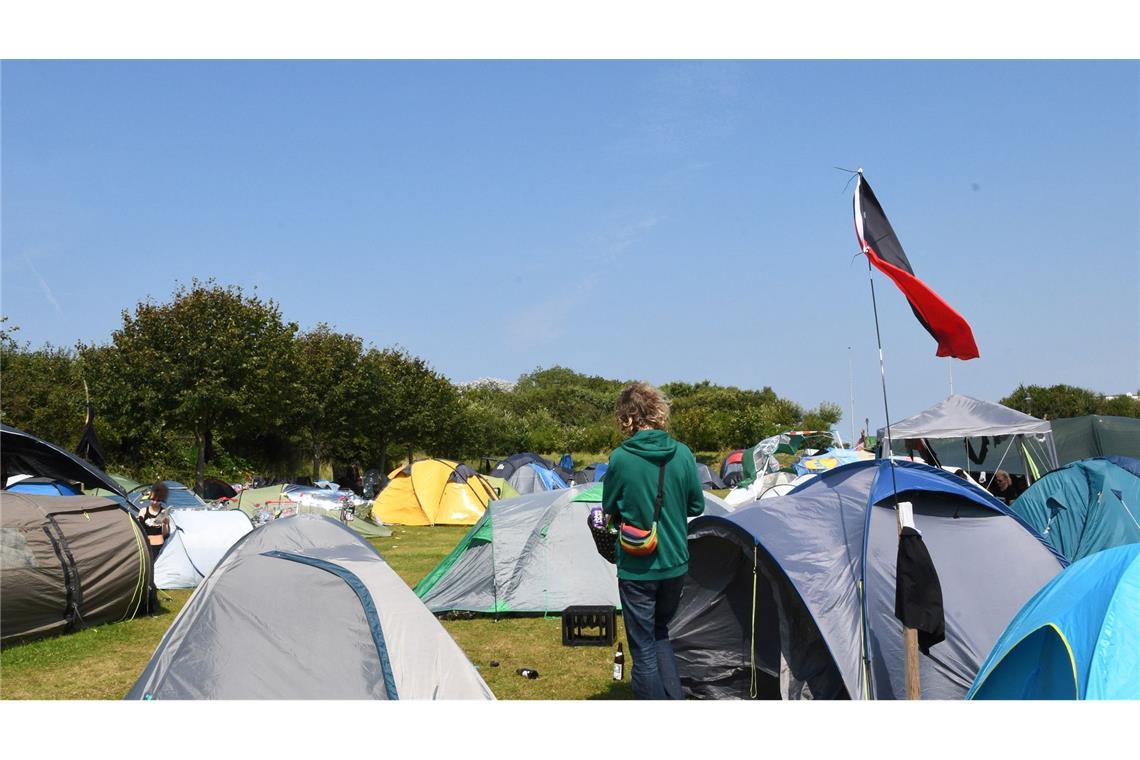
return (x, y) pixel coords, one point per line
(851, 384)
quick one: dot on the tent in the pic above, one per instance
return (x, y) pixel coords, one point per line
(979, 436)
(530, 554)
(268, 502)
(215, 489)
(503, 489)
(433, 492)
(505, 468)
(68, 562)
(829, 459)
(303, 608)
(793, 597)
(198, 539)
(591, 473)
(45, 487)
(531, 477)
(1084, 507)
(179, 496)
(124, 482)
(761, 470)
(23, 453)
(708, 480)
(1077, 638)
(732, 468)
(1096, 436)
(533, 554)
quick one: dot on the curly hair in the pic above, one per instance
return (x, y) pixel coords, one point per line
(641, 405)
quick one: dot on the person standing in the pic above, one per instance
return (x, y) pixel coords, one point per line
(155, 524)
(648, 463)
(156, 527)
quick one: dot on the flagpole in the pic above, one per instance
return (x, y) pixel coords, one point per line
(851, 383)
(913, 686)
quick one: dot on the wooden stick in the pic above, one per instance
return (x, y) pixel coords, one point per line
(913, 688)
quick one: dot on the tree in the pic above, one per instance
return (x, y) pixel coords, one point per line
(212, 361)
(42, 391)
(1057, 401)
(329, 381)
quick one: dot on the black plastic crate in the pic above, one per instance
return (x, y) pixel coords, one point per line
(588, 626)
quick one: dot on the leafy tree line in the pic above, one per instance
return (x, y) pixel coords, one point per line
(216, 381)
(1057, 401)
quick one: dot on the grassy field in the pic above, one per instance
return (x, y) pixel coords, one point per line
(103, 662)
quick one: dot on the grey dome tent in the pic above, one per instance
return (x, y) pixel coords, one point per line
(979, 436)
(793, 597)
(708, 480)
(303, 608)
(68, 562)
(530, 554)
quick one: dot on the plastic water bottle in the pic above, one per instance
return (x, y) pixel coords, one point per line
(619, 663)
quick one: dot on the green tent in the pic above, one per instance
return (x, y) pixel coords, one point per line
(1080, 438)
(502, 487)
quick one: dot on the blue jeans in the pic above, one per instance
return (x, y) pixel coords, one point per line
(647, 607)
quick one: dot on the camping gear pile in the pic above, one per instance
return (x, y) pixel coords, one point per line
(761, 471)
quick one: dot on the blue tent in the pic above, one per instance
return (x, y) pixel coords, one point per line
(1077, 638)
(44, 487)
(1085, 507)
(793, 597)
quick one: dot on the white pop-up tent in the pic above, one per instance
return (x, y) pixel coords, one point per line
(199, 538)
(980, 436)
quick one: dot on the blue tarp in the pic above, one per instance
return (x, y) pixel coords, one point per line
(1077, 638)
(550, 479)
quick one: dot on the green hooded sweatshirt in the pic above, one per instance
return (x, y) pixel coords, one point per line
(629, 494)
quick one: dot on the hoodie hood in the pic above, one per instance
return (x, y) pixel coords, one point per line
(655, 446)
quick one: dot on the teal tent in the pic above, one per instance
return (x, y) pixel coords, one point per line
(1077, 638)
(1085, 507)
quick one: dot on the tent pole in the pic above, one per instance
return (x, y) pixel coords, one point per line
(913, 686)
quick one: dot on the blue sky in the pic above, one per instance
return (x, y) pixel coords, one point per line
(657, 220)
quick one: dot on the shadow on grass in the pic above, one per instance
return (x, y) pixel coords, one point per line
(615, 690)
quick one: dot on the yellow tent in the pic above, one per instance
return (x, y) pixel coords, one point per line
(433, 492)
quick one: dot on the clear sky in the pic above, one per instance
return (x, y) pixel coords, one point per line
(656, 220)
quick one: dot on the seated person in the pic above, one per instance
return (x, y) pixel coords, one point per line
(1003, 487)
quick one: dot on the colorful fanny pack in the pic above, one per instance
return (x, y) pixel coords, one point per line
(637, 541)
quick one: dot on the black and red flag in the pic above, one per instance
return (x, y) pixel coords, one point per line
(879, 242)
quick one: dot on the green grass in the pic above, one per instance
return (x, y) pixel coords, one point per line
(104, 662)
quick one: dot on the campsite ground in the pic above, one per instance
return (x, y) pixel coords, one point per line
(103, 662)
